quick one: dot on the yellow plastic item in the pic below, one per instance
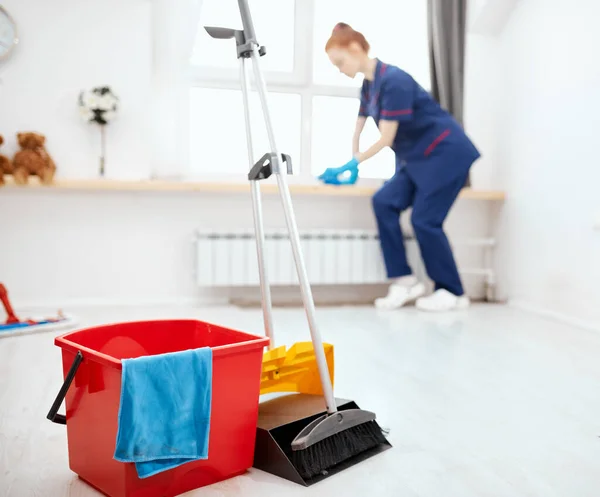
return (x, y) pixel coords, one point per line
(294, 370)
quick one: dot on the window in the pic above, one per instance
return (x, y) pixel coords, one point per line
(313, 107)
(332, 129)
(218, 131)
(278, 36)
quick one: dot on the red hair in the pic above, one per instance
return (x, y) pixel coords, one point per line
(343, 35)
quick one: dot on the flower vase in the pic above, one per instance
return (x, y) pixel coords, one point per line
(102, 150)
(99, 105)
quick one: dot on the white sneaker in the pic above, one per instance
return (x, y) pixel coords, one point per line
(441, 301)
(399, 295)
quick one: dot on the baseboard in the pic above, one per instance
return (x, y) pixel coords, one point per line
(555, 316)
(323, 295)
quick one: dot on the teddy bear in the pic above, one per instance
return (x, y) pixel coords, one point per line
(32, 159)
(5, 164)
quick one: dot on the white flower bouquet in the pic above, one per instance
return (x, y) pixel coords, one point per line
(99, 106)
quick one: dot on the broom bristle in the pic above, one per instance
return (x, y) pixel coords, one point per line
(328, 453)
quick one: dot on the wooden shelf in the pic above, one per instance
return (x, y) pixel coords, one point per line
(195, 186)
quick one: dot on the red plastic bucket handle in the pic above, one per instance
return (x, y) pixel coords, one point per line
(53, 413)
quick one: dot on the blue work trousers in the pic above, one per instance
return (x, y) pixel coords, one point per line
(430, 186)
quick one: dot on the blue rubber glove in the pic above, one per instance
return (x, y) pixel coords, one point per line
(336, 171)
(331, 175)
(335, 180)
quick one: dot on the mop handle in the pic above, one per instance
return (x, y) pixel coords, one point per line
(11, 316)
(305, 289)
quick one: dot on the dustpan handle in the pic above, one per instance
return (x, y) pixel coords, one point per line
(248, 47)
(245, 42)
(249, 40)
(53, 412)
(259, 230)
(247, 23)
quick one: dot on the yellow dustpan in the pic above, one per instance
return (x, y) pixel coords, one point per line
(294, 369)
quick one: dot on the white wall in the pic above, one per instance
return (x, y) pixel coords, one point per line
(547, 156)
(62, 248)
(480, 113)
(67, 46)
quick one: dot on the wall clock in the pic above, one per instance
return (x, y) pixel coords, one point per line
(8, 34)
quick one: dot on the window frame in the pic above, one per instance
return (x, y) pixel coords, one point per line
(299, 81)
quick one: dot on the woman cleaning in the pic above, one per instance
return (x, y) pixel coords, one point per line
(433, 159)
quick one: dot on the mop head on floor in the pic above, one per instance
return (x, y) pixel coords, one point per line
(35, 325)
(15, 326)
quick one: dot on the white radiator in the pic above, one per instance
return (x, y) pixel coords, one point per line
(332, 257)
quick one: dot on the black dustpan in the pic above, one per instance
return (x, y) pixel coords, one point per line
(279, 422)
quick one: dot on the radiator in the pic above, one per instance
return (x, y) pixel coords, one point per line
(332, 257)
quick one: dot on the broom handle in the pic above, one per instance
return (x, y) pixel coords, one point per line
(267, 306)
(307, 298)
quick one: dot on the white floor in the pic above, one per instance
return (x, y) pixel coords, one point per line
(493, 402)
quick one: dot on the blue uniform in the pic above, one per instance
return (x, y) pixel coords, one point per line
(433, 159)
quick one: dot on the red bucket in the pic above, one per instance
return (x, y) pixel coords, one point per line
(91, 360)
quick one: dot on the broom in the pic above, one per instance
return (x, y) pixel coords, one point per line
(336, 436)
(317, 459)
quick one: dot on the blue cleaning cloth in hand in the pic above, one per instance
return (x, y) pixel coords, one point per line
(331, 175)
(335, 180)
(164, 412)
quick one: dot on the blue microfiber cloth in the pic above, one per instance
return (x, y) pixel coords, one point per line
(331, 175)
(164, 412)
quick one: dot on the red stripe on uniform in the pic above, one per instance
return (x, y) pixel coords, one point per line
(437, 141)
(402, 112)
(382, 70)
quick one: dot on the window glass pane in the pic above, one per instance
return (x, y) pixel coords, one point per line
(334, 119)
(218, 131)
(396, 31)
(274, 26)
